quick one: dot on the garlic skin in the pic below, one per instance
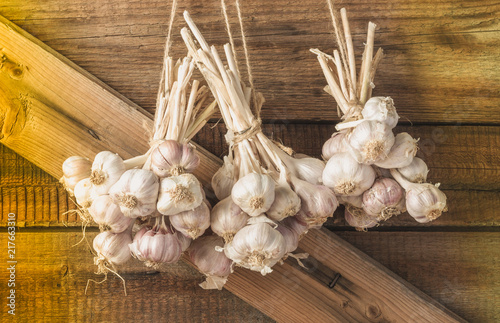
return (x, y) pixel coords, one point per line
(215, 265)
(75, 168)
(107, 169)
(381, 109)
(155, 246)
(227, 218)
(171, 158)
(336, 144)
(416, 172)
(184, 241)
(136, 192)
(346, 176)
(357, 218)
(370, 142)
(254, 193)
(108, 215)
(222, 181)
(192, 223)
(256, 247)
(112, 248)
(178, 194)
(294, 224)
(356, 201)
(384, 199)
(424, 202)
(286, 203)
(291, 237)
(84, 193)
(317, 202)
(402, 152)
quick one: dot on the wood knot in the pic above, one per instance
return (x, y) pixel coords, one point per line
(372, 311)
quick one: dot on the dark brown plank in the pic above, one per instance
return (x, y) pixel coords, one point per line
(440, 63)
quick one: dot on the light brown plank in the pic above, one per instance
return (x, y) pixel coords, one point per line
(440, 63)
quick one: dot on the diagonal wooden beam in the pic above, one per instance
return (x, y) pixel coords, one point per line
(51, 109)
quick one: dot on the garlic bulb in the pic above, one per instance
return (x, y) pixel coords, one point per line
(291, 237)
(222, 181)
(294, 224)
(357, 218)
(286, 203)
(108, 215)
(75, 169)
(356, 201)
(84, 193)
(381, 109)
(227, 218)
(156, 245)
(317, 202)
(192, 223)
(416, 172)
(401, 153)
(112, 249)
(370, 142)
(107, 169)
(179, 194)
(136, 192)
(346, 176)
(185, 241)
(336, 144)
(254, 193)
(308, 169)
(257, 247)
(172, 158)
(424, 202)
(215, 265)
(384, 199)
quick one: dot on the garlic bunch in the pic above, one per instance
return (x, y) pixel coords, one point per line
(192, 223)
(424, 202)
(75, 169)
(171, 158)
(346, 176)
(214, 264)
(416, 172)
(136, 192)
(401, 153)
(254, 193)
(256, 247)
(107, 169)
(108, 215)
(227, 218)
(384, 199)
(178, 194)
(112, 249)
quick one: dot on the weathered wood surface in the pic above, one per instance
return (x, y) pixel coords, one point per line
(440, 65)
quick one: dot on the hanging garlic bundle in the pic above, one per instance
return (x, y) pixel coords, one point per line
(260, 182)
(365, 145)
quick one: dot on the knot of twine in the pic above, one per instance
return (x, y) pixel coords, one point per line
(235, 138)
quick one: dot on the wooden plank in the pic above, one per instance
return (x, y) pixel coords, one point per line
(128, 117)
(440, 63)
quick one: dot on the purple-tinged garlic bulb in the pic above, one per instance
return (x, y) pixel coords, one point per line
(384, 199)
(171, 158)
(227, 218)
(192, 223)
(336, 144)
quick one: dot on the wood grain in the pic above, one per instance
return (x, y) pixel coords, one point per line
(440, 63)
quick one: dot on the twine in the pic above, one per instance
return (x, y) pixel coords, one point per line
(235, 138)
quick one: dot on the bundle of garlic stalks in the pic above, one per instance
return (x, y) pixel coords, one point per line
(268, 199)
(374, 173)
(156, 189)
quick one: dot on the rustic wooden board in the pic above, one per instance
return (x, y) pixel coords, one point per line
(440, 65)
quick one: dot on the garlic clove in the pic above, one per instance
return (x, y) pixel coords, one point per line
(136, 192)
(75, 168)
(346, 176)
(384, 199)
(112, 249)
(108, 215)
(402, 152)
(286, 203)
(84, 193)
(227, 218)
(370, 142)
(357, 218)
(381, 109)
(192, 223)
(107, 169)
(222, 181)
(416, 172)
(179, 193)
(254, 193)
(170, 158)
(336, 144)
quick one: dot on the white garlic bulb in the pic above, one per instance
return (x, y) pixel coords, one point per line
(381, 109)
(84, 193)
(357, 218)
(254, 193)
(424, 202)
(222, 181)
(136, 192)
(336, 144)
(384, 199)
(416, 172)
(112, 249)
(214, 264)
(179, 194)
(370, 141)
(75, 168)
(107, 169)
(108, 215)
(346, 176)
(227, 218)
(192, 223)
(256, 247)
(402, 152)
(286, 202)
(308, 168)
(172, 158)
